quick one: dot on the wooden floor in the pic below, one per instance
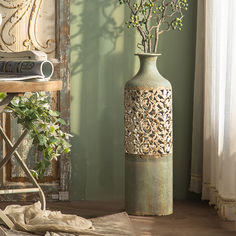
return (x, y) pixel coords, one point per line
(190, 218)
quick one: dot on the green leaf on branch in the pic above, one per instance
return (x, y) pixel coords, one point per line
(54, 113)
(44, 126)
(2, 95)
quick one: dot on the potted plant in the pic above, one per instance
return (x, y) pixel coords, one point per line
(148, 112)
(44, 126)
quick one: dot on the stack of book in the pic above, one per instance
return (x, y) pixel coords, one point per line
(26, 65)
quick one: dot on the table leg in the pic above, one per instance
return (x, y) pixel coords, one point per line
(12, 150)
(6, 101)
(25, 168)
(6, 220)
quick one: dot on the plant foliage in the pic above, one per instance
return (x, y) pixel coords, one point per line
(44, 127)
(153, 17)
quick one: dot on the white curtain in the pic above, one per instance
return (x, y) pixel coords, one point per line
(217, 177)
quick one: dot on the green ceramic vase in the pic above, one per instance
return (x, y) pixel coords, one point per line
(148, 141)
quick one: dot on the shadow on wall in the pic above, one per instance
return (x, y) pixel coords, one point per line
(100, 52)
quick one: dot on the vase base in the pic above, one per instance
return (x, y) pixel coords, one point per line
(149, 214)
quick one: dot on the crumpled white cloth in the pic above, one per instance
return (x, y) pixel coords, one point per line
(33, 219)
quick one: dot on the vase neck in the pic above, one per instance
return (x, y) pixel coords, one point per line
(147, 63)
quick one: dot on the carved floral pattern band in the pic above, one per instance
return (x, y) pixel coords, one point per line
(148, 121)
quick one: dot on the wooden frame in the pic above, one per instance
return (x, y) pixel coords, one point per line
(56, 189)
(64, 107)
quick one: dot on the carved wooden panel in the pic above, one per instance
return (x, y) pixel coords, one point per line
(28, 24)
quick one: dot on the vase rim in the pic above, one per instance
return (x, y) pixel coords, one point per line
(148, 54)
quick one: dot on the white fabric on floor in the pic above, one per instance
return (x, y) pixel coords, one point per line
(50, 223)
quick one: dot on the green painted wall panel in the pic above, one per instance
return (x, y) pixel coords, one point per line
(177, 64)
(102, 61)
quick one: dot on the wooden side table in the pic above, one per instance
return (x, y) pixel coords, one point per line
(12, 89)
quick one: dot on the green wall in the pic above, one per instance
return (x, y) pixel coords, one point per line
(102, 61)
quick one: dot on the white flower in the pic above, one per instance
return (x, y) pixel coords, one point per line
(54, 156)
(67, 136)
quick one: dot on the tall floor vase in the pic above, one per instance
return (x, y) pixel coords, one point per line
(148, 141)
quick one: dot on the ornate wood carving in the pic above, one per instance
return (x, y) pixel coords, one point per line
(27, 24)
